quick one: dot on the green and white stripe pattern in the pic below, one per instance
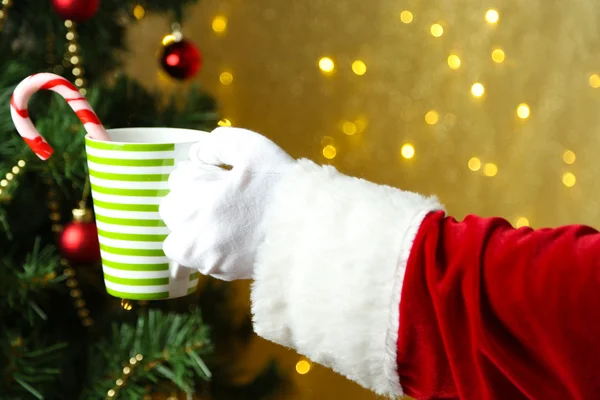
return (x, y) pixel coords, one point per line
(128, 181)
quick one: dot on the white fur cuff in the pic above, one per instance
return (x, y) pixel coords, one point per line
(329, 275)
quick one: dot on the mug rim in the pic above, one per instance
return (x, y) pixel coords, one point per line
(176, 135)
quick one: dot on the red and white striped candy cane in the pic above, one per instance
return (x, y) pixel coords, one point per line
(58, 84)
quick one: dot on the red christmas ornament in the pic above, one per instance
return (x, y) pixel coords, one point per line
(181, 59)
(79, 240)
(76, 10)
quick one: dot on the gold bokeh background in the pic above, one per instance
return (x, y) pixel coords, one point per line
(476, 153)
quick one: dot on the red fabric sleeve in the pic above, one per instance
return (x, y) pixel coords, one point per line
(492, 312)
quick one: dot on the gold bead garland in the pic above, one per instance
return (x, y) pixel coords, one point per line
(75, 291)
(134, 362)
(126, 372)
(54, 208)
(72, 57)
(127, 305)
(8, 178)
(5, 6)
(82, 312)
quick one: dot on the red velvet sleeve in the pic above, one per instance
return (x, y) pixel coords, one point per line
(492, 312)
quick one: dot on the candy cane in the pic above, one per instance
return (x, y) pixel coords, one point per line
(58, 84)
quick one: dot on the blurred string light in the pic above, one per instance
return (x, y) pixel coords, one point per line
(359, 67)
(406, 17)
(498, 55)
(139, 12)
(454, 61)
(407, 151)
(474, 164)
(326, 65)
(569, 157)
(226, 78)
(219, 24)
(568, 179)
(521, 222)
(15, 170)
(303, 367)
(329, 152)
(437, 30)
(477, 89)
(490, 169)
(349, 128)
(432, 117)
(594, 81)
(492, 16)
(523, 111)
(361, 124)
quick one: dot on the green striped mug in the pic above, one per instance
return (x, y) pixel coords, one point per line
(128, 177)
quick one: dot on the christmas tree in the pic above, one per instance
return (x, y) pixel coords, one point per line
(62, 336)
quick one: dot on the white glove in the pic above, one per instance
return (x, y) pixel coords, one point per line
(216, 214)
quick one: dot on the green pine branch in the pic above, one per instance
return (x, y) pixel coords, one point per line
(158, 346)
(23, 288)
(30, 366)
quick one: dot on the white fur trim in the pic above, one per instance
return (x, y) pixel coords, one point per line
(329, 275)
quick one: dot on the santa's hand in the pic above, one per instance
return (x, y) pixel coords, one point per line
(217, 201)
